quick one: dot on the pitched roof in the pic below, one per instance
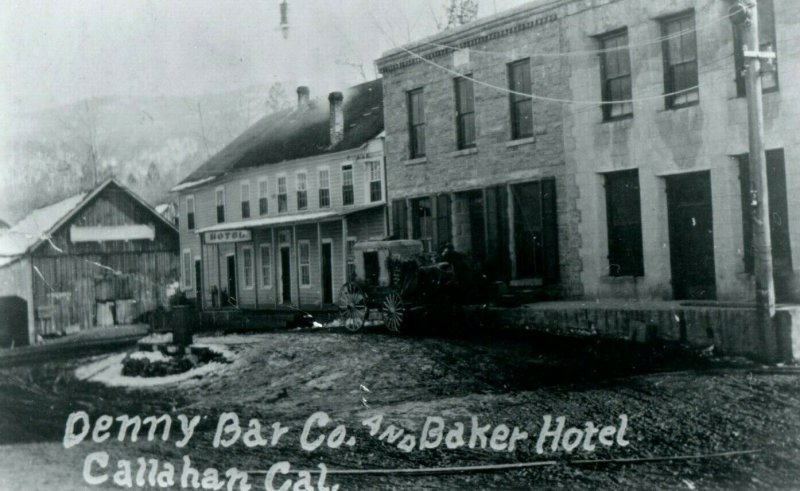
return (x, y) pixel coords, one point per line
(26, 234)
(297, 133)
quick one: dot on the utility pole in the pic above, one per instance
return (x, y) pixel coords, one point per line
(759, 194)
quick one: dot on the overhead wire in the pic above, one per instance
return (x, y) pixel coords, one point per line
(564, 54)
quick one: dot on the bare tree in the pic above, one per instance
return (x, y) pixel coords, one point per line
(277, 98)
(456, 13)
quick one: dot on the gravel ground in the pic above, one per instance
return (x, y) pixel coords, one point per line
(675, 405)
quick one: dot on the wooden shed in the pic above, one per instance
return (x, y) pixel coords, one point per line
(99, 258)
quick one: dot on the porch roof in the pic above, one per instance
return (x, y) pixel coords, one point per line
(295, 219)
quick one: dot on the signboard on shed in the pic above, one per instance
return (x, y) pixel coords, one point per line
(228, 236)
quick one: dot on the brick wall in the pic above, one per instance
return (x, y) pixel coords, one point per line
(496, 159)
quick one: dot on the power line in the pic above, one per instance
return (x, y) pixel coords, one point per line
(591, 52)
(546, 98)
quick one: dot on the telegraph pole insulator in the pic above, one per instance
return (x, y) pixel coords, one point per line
(285, 19)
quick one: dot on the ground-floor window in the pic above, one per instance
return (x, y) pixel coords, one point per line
(247, 264)
(305, 262)
(624, 220)
(265, 253)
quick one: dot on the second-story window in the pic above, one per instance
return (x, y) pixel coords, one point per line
(347, 185)
(190, 212)
(615, 65)
(465, 113)
(324, 188)
(416, 123)
(680, 61)
(220, 198)
(283, 198)
(767, 40)
(245, 188)
(375, 181)
(519, 82)
(263, 193)
(302, 191)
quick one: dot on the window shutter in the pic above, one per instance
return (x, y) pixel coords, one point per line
(443, 220)
(400, 227)
(550, 231)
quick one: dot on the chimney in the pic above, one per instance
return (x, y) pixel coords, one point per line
(336, 100)
(303, 95)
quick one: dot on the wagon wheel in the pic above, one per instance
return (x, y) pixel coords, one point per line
(353, 308)
(393, 311)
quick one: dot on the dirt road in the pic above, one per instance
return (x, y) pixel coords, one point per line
(672, 407)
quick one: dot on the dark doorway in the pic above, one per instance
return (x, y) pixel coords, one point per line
(13, 322)
(327, 273)
(536, 230)
(779, 228)
(198, 283)
(232, 281)
(691, 236)
(782, 270)
(286, 275)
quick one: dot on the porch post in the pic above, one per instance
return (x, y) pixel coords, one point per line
(219, 279)
(201, 288)
(296, 264)
(255, 265)
(319, 256)
(344, 248)
(274, 254)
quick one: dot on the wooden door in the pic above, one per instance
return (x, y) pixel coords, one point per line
(327, 273)
(286, 275)
(691, 236)
(198, 283)
(232, 280)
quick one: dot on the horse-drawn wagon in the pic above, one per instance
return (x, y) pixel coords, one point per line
(398, 279)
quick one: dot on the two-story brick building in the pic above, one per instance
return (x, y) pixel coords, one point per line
(480, 167)
(600, 147)
(270, 219)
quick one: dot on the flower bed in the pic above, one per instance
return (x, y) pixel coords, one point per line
(157, 364)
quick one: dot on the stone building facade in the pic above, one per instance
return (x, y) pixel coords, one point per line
(690, 155)
(638, 119)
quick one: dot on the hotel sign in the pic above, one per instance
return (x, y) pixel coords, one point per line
(228, 236)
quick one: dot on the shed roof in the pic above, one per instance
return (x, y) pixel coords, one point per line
(38, 225)
(297, 133)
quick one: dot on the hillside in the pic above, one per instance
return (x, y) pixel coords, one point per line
(148, 144)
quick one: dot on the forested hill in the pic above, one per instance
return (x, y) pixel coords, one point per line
(148, 144)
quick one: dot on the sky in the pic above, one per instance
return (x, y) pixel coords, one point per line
(55, 52)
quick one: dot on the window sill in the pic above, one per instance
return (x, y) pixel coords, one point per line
(620, 278)
(617, 119)
(419, 160)
(521, 141)
(683, 106)
(305, 287)
(465, 151)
